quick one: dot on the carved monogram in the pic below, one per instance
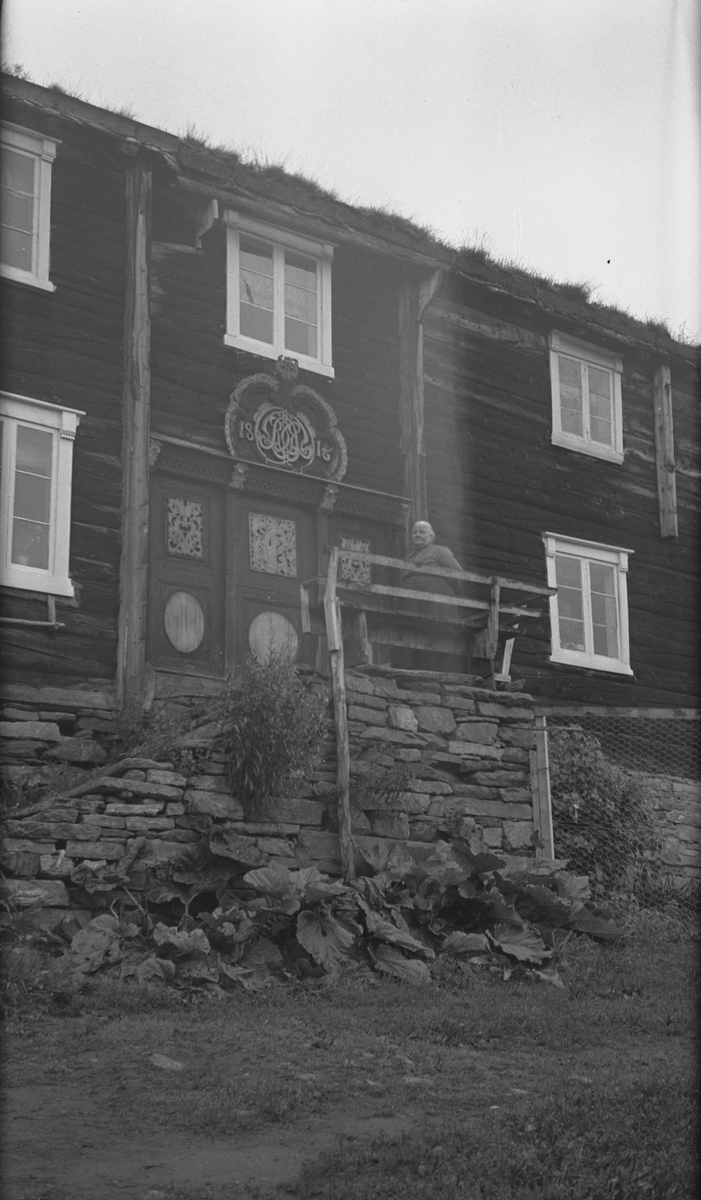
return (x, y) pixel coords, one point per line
(273, 420)
(273, 545)
(184, 528)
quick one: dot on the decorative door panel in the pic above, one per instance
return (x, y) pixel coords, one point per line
(275, 551)
(186, 593)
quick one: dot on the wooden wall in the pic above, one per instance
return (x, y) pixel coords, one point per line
(194, 373)
(66, 347)
(495, 483)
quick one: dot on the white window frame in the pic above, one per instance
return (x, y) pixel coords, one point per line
(586, 355)
(587, 552)
(63, 423)
(280, 240)
(43, 150)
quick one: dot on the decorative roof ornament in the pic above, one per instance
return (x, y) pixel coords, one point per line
(274, 421)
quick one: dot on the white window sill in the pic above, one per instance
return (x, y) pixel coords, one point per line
(590, 662)
(25, 277)
(29, 580)
(263, 350)
(588, 448)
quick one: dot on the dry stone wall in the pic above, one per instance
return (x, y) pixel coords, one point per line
(430, 754)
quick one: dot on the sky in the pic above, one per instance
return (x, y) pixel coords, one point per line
(563, 135)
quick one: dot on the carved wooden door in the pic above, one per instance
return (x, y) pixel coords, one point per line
(275, 550)
(186, 594)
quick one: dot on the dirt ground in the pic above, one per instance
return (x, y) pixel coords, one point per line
(90, 1115)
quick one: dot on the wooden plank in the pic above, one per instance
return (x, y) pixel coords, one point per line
(334, 637)
(448, 573)
(381, 589)
(131, 657)
(664, 452)
(170, 684)
(540, 789)
(61, 697)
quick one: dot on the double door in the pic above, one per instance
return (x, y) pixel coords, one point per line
(225, 570)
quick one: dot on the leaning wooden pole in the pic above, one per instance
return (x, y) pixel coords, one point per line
(334, 637)
(131, 657)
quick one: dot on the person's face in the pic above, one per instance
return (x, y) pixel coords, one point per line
(421, 534)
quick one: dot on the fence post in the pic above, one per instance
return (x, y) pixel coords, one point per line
(540, 790)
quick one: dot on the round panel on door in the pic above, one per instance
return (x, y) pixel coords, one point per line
(270, 635)
(184, 622)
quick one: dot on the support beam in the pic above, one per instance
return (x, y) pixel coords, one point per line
(540, 790)
(131, 654)
(334, 637)
(664, 452)
(413, 303)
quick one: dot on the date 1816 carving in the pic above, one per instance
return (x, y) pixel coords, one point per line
(272, 420)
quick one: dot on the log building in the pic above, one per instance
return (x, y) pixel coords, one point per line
(214, 373)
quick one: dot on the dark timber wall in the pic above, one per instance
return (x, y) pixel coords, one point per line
(495, 483)
(66, 347)
(194, 373)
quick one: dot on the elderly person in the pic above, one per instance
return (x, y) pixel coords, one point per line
(425, 553)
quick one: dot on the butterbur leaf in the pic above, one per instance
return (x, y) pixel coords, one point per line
(93, 948)
(385, 931)
(464, 943)
(179, 941)
(264, 953)
(104, 921)
(572, 887)
(549, 975)
(274, 880)
(328, 939)
(155, 970)
(391, 961)
(597, 927)
(524, 944)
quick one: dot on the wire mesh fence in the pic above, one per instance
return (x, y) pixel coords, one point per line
(614, 783)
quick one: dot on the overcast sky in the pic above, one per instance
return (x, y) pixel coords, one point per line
(563, 134)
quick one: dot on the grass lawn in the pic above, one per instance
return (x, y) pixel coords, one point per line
(471, 1086)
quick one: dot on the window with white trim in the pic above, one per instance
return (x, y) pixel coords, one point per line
(25, 205)
(278, 294)
(586, 396)
(589, 614)
(35, 494)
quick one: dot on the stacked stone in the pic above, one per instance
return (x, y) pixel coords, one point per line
(465, 751)
(34, 739)
(677, 804)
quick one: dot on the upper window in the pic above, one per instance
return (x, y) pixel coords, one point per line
(278, 294)
(589, 614)
(586, 393)
(25, 213)
(35, 494)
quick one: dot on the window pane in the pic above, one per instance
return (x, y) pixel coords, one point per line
(570, 396)
(255, 256)
(600, 384)
(300, 337)
(256, 323)
(570, 604)
(604, 609)
(600, 431)
(32, 497)
(18, 211)
(568, 571)
(256, 289)
(300, 272)
(16, 249)
(34, 450)
(300, 304)
(17, 171)
(30, 544)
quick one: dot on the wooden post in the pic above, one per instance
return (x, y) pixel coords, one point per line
(493, 631)
(540, 790)
(334, 636)
(131, 657)
(664, 452)
(413, 302)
